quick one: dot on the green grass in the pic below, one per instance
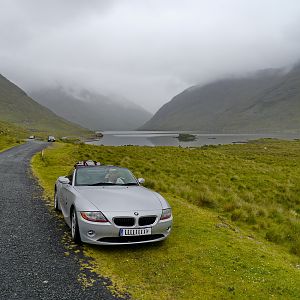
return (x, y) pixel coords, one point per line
(11, 135)
(236, 222)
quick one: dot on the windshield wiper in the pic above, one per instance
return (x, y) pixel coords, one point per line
(101, 183)
(111, 183)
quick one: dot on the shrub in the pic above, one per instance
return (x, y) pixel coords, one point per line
(150, 184)
(261, 212)
(295, 248)
(277, 234)
(230, 206)
(238, 215)
(277, 215)
(204, 200)
(251, 219)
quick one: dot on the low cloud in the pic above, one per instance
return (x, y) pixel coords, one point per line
(147, 51)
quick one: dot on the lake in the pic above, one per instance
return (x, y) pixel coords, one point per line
(168, 138)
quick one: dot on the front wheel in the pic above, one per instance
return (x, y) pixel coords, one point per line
(74, 227)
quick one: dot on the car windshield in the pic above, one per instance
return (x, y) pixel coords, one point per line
(104, 175)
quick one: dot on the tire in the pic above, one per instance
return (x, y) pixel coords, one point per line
(74, 227)
(56, 205)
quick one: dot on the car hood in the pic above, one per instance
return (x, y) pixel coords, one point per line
(119, 198)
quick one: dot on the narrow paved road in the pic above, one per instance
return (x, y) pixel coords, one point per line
(33, 264)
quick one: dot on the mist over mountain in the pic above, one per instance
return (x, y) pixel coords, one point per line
(267, 101)
(91, 110)
(16, 107)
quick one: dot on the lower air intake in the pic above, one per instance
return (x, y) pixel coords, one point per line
(131, 239)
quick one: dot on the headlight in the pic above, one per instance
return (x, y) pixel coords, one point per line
(94, 216)
(166, 214)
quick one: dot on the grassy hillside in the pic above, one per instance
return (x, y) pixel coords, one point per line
(236, 219)
(11, 135)
(276, 108)
(19, 109)
(268, 101)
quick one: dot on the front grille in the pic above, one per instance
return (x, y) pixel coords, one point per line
(131, 239)
(148, 220)
(125, 221)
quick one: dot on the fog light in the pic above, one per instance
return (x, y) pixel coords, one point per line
(91, 232)
(169, 229)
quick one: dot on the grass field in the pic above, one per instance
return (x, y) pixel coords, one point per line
(236, 219)
(10, 135)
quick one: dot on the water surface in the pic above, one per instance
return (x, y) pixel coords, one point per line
(168, 138)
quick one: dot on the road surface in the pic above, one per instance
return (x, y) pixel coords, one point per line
(33, 264)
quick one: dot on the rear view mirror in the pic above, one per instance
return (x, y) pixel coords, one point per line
(64, 180)
(141, 180)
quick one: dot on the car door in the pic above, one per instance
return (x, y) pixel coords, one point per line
(68, 199)
(65, 195)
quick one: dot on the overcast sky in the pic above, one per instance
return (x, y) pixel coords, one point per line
(145, 50)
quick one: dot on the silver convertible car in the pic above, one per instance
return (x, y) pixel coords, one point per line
(107, 205)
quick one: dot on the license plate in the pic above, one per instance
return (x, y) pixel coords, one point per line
(135, 231)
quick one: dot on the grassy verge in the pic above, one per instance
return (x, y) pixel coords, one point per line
(10, 135)
(213, 192)
(7, 143)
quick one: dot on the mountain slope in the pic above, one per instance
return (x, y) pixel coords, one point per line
(277, 107)
(267, 101)
(93, 111)
(17, 108)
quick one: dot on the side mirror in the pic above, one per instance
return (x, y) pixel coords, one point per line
(141, 180)
(63, 180)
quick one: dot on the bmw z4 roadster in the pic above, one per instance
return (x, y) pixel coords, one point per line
(107, 205)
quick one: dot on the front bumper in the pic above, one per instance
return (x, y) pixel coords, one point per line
(109, 233)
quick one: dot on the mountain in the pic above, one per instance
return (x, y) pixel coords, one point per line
(267, 101)
(16, 107)
(91, 110)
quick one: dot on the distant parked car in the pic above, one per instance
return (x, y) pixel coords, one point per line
(51, 138)
(32, 137)
(107, 205)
